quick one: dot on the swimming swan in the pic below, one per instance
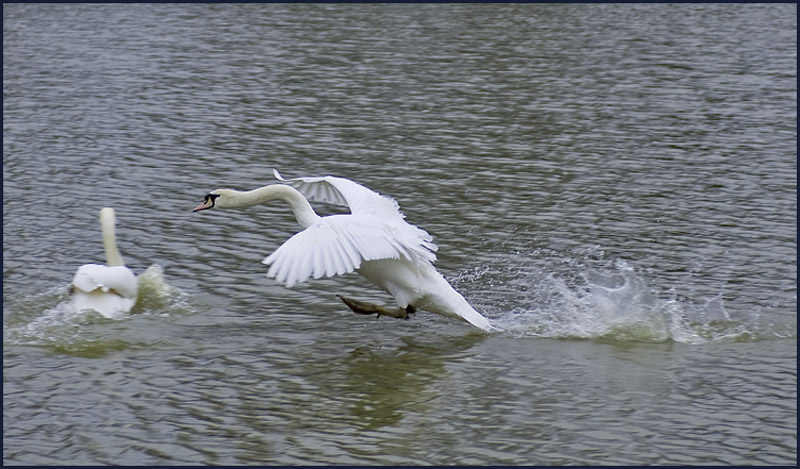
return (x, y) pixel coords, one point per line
(373, 240)
(109, 289)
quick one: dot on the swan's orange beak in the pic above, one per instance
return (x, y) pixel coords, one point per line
(205, 205)
(208, 202)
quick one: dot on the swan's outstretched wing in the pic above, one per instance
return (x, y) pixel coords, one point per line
(341, 191)
(338, 244)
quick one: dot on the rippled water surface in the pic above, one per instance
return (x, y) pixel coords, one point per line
(613, 185)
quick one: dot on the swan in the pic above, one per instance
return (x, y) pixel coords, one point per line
(109, 289)
(373, 240)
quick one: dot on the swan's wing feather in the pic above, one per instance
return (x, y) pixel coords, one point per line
(315, 188)
(338, 245)
(317, 251)
(120, 279)
(341, 191)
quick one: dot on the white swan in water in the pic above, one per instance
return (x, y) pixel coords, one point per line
(373, 240)
(109, 289)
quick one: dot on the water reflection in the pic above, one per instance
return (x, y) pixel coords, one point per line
(379, 385)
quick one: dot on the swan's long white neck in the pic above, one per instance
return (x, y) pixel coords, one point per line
(107, 222)
(302, 210)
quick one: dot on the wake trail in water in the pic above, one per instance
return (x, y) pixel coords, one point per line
(612, 303)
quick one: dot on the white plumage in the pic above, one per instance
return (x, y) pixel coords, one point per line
(373, 240)
(109, 289)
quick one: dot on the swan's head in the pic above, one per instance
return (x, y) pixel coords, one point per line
(229, 198)
(215, 198)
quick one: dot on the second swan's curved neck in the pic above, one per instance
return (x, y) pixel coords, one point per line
(302, 210)
(107, 222)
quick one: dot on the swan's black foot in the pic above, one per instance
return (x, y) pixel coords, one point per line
(361, 307)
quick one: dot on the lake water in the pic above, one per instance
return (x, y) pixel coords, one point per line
(613, 185)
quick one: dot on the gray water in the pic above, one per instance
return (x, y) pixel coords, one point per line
(613, 185)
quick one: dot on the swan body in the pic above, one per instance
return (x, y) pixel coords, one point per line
(374, 240)
(109, 289)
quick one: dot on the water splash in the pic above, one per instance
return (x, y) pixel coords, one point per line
(156, 295)
(613, 303)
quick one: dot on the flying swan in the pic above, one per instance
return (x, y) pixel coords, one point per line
(373, 240)
(109, 289)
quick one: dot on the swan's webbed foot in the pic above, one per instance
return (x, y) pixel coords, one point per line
(362, 307)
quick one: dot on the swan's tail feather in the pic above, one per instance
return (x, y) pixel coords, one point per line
(475, 318)
(445, 300)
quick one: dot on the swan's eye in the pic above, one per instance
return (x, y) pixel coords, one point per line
(210, 198)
